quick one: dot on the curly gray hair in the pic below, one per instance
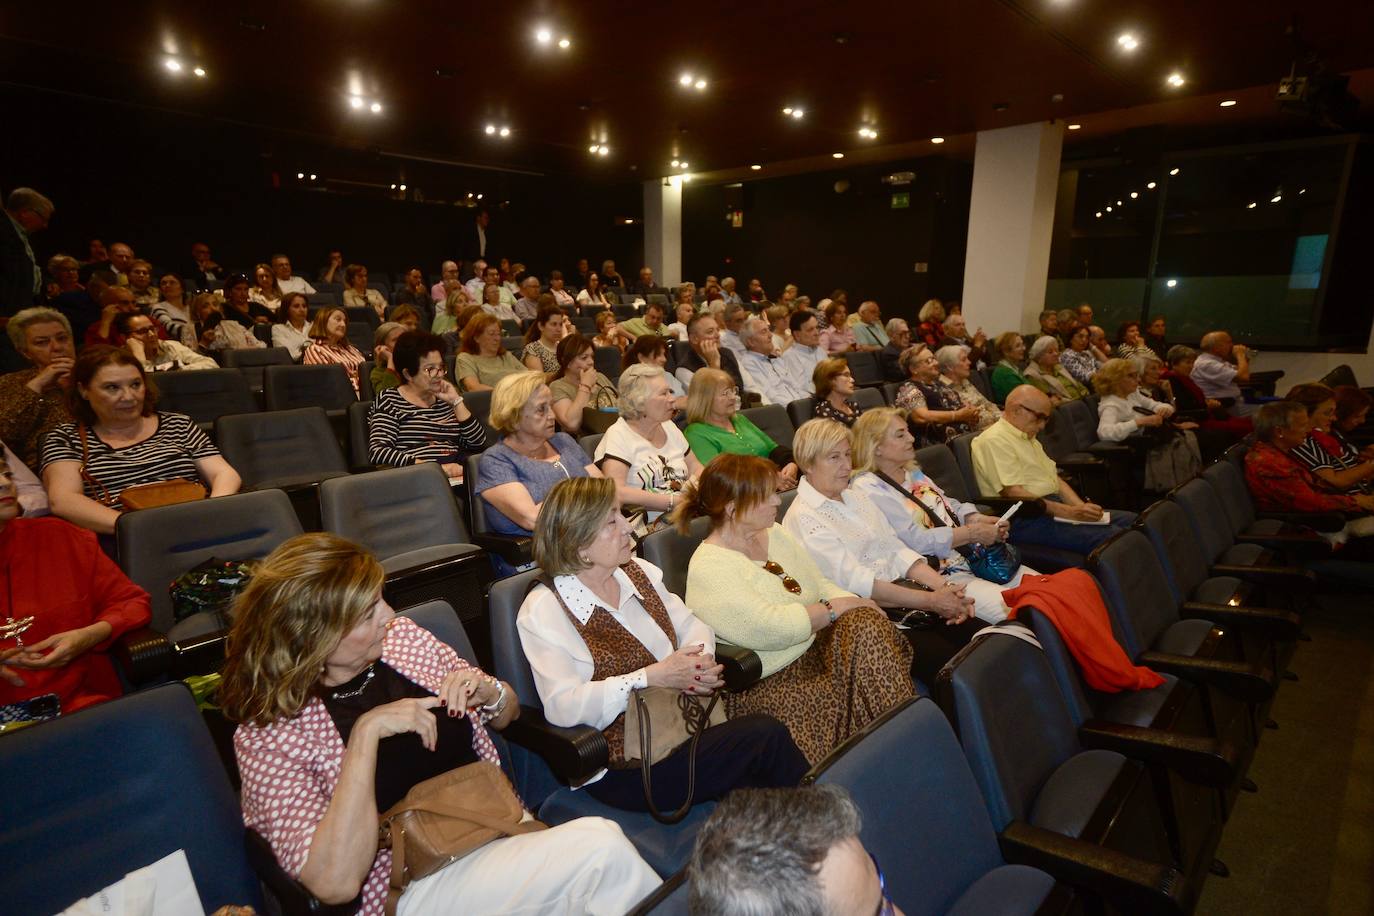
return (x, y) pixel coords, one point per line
(635, 390)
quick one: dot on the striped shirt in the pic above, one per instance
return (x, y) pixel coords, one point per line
(401, 433)
(320, 353)
(170, 452)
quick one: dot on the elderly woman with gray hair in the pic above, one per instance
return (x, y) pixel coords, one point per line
(1045, 372)
(928, 402)
(1125, 414)
(956, 367)
(644, 452)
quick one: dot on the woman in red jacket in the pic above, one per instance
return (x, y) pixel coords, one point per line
(55, 575)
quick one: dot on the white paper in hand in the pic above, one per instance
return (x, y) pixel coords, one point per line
(165, 888)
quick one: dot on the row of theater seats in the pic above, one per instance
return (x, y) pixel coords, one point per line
(1063, 797)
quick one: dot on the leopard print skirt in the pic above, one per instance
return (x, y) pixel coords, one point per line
(857, 669)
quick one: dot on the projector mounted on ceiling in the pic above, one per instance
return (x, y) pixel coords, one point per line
(1312, 90)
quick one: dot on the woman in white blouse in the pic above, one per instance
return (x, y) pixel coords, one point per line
(855, 547)
(265, 290)
(604, 625)
(292, 330)
(1123, 415)
(358, 294)
(922, 516)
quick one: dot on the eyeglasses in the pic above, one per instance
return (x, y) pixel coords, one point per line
(885, 906)
(142, 331)
(1042, 417)
(432, 370)
(792, 585)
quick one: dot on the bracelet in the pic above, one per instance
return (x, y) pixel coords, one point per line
(495, 709)
(831, 608)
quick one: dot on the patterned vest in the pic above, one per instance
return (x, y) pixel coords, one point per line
(615, 650)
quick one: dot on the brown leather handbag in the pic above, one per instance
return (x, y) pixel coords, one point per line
(658, 721)
(444, 818)
(144, 496)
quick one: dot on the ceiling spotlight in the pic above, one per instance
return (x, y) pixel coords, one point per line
(1075, 127)
(1150, 186)
(355, 101)
(543, 36)
(1228, 103)
(1173, 171)
(1134, 195)
(837, 155)
(393, 186)
(1251, 205)
(1276, 198)
(1171, 283)
(685, 80)
(1175, 79)
(603, 150)
(1109, 209)
(312, 176)
(868, 133)
(592, 148)
(564, 43)
(479, 196)
(1302, 190)
(1098, 214)
(505, 131)
(756, 168)
(937, 139)
(675, 163)
(684, 164)
(629, 222)
(172, 64)
(1127, 41)
(376, 107)
(490, 129)
(787, 111)
(469, 194)
(699, 85)
(1118, 203)
(403, 187)
(199, 71)
(300, 175)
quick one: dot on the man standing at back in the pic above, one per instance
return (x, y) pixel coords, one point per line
(21, 280)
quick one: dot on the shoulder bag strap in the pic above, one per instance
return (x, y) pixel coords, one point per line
(104, 494)
(698, 720)
(935, 520)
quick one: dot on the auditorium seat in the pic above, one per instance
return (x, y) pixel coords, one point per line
(671, 552)
(585, 324)
(800, 410)
(105, 791)
(294, 387)
(773, 420)
(252, 362)
(890, 392)
(589, 443)
(291, 450)
(514, 549)
(1295, 532)
(365, 390)
(409, 519)
(1035, 766)
(479, 404)
(359, 452)
(363, 314)
(204, 395)
(325, 298)
(158, 545)
(607, 360)
(361, 334)
(511, 328)
(515, 343)
(869, 398)
(863, 366)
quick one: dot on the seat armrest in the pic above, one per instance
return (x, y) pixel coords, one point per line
(997, 505)
(743, 667)
(292, 896)
(1203, 760)
(1304, 523)
(1128, 884)
(1277, 624)
(514, 549)
(1291, 576)
(575, 754)
(1111, 449)
(143, 654)
(1249, 683)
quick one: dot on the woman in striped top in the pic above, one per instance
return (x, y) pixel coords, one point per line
(424, 419)
(329, 344)
(541, 340)
(128, 443)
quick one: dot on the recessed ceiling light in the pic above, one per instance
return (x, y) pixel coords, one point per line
(1150, 186)
(1108, 209)
(937, 139)
(1276, 198)
(300, 175)
(1127, 41)
(565, 43)
(1118, 203)
(1134, 195)
(1228, 103)
(376, 107)
(685, 79)
(356, 101)
(787, 111)
(312, 176)
(603, 150)
(479, 196)
(757, 167)
(1251, 205)
(403, 187)
(1171, 283)
(1302, 191)
(505, 131)
(675, 163)
(1173, 171)
(1175, 79)
(469, 194)
(199, 71)
(868, 133)
(393, 187)
(592, 148)
(837, 155)
(172, 64)
(1098, 214)
(490, 129)
(543, 36)
(699, 85)
(1075, 127)
(684, 163)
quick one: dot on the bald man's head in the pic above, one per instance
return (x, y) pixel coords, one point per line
(1028, 409)
(1217, 343)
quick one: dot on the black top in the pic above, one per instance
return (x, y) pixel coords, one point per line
(402, 761)
(728, 363)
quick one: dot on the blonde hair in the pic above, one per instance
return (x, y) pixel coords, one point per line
(814, 438)
(1111, 374)
(706, 384)
(304, 597)
(570, 518)
(933, 310)
(510, 396)
(868, 431)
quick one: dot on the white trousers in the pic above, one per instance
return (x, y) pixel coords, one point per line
(583, 866)
(988, 605)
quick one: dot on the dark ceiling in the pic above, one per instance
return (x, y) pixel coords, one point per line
(443, 70)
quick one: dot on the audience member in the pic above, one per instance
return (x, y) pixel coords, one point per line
(141, 283)
(1085, 315)
(889, 357)
(239, 307)
(517, 473)
(114, 301)
(33, 401)
(1045, 372)
(831, 662)
(931, 330)
(1333, 461)
(493, 303)
(956, 332)
(449, 282)
(1068, 323)
(1098, 345)
(1129, 343)
(120, 440)
(33, 499)
(406, 315)
(281, 266)
(483, 360)
(96, 254)
(82, 306)
(610, 277)
(1010, 351)
(121, 259)
(593, 296)
(733, 317)
(651, 322)
(715, 426)
(172, 311)
(79, 604)
(645, 284)
(762, 369)
(332, 271)
(704, 351)
(652, 350)
(608, 333)
(584, 400)
(424, 417)
(204, 270)
(1077, 358)
(475, 284)
(783, 852)
(956, 371)
(383, 374)
(867, 325)
(140, 336)
(1352, 410)
(777, 316)
(337, 728)
(210, 331)
(929, 402)
(1049, 324)
(755, 292)
(446, 314)
(1154, 337)
(1009, 461)
(921, 515)
(604, 621)
(541, 340)
(415, 293)
(65, 272)
(1217, 376)
(835, 392)
(643, 451)
(801, 358)
(727, 291)
(1125, 413)
(527, 306)
(357, 294)
(291, 330)
(684, 311)
(265, 291)
(837, 337)
(329, 344)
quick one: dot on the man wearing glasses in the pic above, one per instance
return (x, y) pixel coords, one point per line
(140, 338)
(1009, 461)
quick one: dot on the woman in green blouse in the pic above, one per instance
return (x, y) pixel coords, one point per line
(715, 425)
(1006, 375)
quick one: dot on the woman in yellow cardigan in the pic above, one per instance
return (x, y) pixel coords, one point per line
(832, 662)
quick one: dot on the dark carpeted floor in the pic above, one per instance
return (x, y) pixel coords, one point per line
(1305, 842)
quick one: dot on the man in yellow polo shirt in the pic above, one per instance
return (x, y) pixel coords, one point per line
(651, 323)
(1009, 461)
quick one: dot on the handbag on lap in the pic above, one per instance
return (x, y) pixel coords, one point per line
(144, 496)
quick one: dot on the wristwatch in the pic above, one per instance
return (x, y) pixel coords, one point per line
(831, 608)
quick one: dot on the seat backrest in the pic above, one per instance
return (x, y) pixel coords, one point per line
(1139, 599)
(1230, 487)
(279, 444)
(394, 511)
(938, 840)
(440, 619)
(157, 545)
(365, 390)
(515, 343)
(362, 314)
(585, 324)
(982, 380)
(869, 398)
(479, 403)
(115, 787)
(940, 466)
(672, 552)
(801, 410)
(1206, 515)
(290, 387)
(607, 360)
(504, 602)
(359, 428)
(265, 356)
(477, 511)
(1341, 375)
(1059, 438)
(329, 298)
(360, 335)
(204, 395)
(1014, 725)
(785, 502)
(962, 447)
(863, 365)
(1083, 420)
(1176, 543)
(589, 443)
(772, 419)
(890, 392)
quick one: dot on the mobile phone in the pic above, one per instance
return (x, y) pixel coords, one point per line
(35, 709)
